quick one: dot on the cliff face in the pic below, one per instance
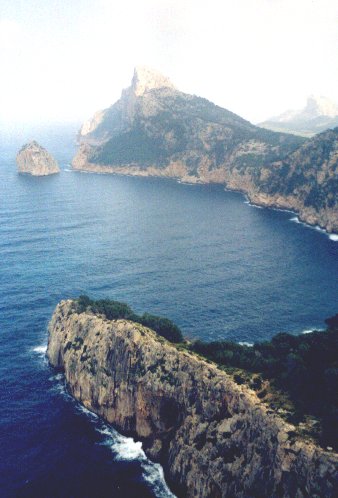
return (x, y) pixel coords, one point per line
(306, 181)
(213, 437)
(35, 160)
(156, 130)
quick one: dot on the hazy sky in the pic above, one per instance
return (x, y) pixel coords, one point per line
(65, 59)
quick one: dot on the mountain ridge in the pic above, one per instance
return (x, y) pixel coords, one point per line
(165, 132)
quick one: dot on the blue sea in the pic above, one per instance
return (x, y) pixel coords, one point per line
(205, 258)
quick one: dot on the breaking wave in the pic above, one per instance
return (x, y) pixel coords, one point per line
(331, 236)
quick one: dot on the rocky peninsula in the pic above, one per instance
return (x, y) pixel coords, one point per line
(34, 160)
(156, 130)
(214, 438)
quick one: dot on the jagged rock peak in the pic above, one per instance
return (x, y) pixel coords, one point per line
(321, 106)
(315, 106)
(32, 145)
(145, 79)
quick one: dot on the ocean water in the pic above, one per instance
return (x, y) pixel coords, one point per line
(218, 267)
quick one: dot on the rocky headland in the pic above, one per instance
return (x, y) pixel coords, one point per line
(34, 160)
(214, 438)
(156, 130)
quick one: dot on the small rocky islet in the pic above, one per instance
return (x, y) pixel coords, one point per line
(214, 437)
(33, 159)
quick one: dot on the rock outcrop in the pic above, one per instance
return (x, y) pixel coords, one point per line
(156, 130)
(213, 437)
(34, 160)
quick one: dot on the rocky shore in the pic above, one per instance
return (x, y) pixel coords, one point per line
(214, 438)
(326, 218)
(156, 130)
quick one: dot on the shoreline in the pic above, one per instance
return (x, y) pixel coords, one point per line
(216, 414)
(331, 235)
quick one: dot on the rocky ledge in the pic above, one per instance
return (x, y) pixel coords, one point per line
(34, 160)
(213, 437)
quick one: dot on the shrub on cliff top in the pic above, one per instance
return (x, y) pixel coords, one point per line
(114, 310)
(164, 327)
(304, 366)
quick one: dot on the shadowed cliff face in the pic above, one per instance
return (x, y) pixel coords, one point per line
(156, 130)
(213, 437)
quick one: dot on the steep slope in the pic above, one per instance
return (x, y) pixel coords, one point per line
(34, 160)
(306, 182)
(155, 130)
(214, 438)
(318, 115)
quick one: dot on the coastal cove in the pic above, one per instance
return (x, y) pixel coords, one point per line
(218, 267)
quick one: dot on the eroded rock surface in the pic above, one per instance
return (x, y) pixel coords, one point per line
(213, 437)
(34, 160)
(156, 130)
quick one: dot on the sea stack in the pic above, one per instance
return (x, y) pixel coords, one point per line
(34, 160)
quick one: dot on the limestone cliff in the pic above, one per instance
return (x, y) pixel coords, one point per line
(34, 160)
(213, 437)
(156, 130)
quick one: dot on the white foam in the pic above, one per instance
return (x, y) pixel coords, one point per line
(87, 412)
(40, 350)
(282, 210)
(181, 182)
(60, 388)
(153, 474)
(331, 236)
(309, 331)
(125, 448)
(244, 343)
(247, 201)
(56, 377)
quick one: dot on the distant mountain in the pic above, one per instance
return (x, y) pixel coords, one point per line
(318, 115)
(156, 130)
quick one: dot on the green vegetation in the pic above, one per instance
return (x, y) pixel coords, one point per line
(303, 368)
(134, 146)
(183, 125)
(298, 174)
(295, 375)
(114, 310)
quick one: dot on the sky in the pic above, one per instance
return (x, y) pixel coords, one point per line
(62, 60)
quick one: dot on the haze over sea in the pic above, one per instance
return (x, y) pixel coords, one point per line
(216, 266)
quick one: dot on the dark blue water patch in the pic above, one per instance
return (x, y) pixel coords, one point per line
(218, 267)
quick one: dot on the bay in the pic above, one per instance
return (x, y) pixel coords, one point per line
(216, 266)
